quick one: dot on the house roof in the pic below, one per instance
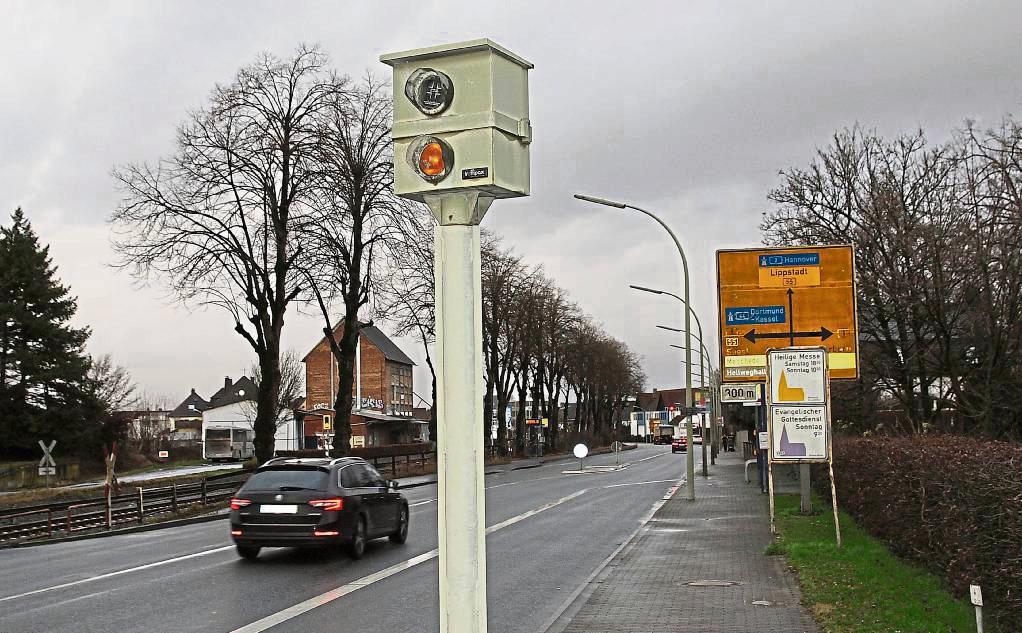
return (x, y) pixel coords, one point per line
(375, 336)
(190, 407)
(647, 401)
(382, 342)
(674, 397)
(239, 391)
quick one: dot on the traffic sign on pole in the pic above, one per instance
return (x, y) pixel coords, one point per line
(47, 466)
(783, 298)
(741, 392)
(798, 407)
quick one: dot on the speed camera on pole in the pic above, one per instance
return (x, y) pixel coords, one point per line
(461, 140)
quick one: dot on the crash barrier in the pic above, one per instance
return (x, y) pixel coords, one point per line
(69, 517)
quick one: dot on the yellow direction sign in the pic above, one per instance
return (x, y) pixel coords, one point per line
(783, 297)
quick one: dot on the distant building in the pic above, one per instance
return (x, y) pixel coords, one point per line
(227, 423)
(650, 409)
(383, 410)
(186, 418)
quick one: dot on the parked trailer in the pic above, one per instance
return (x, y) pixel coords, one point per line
(226, 443)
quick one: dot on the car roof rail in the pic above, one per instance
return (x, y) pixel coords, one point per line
(349, 458)
(275, 460)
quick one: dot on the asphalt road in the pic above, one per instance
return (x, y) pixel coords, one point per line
(548, 533)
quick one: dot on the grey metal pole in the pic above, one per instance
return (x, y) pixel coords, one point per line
(689, 461)
(690, 464)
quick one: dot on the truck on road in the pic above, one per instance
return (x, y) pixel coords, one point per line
(664, 434)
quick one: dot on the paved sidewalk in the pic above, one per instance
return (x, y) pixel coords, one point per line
(718, 537)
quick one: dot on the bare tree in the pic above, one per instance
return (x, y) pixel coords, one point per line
(502, 275)
(937, 231)
(355, 215)
(111, 384)
(292, 387)
(218, 221)
(408, 291)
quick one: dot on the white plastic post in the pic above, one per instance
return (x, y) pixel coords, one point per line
(461, 503)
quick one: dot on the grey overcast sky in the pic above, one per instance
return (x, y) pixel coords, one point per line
(687, 108)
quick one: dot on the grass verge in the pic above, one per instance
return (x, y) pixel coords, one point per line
(37, 496)
(862, 587)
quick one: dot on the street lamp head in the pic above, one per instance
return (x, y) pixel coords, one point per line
(670, 329)
(609, 203)
(645, 289)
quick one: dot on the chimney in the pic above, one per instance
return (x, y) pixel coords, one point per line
(227, 382)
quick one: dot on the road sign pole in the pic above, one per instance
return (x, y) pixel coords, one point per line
(459, 339)
(806, 500)
(830, 467)
(761, 457)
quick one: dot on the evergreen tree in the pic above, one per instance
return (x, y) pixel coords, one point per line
(44, 389)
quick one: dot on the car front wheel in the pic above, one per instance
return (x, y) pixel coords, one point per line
(401, 535)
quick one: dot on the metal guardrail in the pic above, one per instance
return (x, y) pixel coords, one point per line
(389, 464)
(74, 516)
(69, 517)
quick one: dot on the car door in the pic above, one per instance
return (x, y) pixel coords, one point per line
(360, 485)
(384, 503)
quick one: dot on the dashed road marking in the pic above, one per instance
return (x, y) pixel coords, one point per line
(339, 592)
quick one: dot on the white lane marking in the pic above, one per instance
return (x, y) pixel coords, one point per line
(118, 573)
(650, 457)
(642, 483)
(339, 592)
(421, 503)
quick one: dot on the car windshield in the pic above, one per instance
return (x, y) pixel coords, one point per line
(288, 479)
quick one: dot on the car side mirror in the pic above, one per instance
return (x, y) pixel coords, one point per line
(392, 484)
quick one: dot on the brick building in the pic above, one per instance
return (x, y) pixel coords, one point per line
(383, 409)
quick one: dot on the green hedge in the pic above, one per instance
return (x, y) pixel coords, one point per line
(953, 504)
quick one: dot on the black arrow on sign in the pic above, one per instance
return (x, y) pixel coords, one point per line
(791, 319)
(823, 334)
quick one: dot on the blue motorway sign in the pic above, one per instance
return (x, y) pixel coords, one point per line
(790, 259)
(756, 315)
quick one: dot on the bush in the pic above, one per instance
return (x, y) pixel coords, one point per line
(953, 504)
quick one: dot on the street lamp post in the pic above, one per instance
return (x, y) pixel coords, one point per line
(690, 464)
(688, 343)
(712, 392)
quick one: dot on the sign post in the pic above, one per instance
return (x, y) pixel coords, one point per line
(785, 297)
(789, 297)
(798, 398)
(976, 597)
(46, 465)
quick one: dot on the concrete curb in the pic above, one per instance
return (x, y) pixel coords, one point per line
(206, 518)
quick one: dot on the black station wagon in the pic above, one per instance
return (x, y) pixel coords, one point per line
(291, 502)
